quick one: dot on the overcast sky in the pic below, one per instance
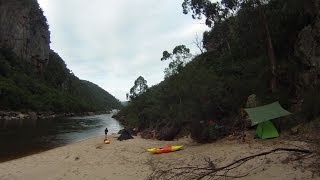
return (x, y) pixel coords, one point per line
(113, 42)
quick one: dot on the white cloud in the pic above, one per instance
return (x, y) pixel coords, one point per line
(112, 42)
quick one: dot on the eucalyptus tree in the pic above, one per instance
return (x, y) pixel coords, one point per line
(179, 57)
(216, 12)
(140, 86)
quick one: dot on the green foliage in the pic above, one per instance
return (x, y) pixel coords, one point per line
(215, 12)
(216, 84)
(197, 92)
(95, 96)
(56, 72)
(140, 86)
(179, 58)
(58, 90)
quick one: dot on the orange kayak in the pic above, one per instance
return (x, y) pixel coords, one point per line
(166, 149)
(106, 141)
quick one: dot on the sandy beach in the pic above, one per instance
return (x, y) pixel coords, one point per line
(91, 159)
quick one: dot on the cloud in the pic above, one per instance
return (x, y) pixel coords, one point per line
(112, 42)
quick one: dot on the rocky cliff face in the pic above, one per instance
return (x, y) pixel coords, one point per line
(24, 29)
(307, 51)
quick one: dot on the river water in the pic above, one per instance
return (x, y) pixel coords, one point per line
(16, 143)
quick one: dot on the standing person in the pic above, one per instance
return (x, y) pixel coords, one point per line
(106, 132)
(106, 141)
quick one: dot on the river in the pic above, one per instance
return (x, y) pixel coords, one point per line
(48, 134)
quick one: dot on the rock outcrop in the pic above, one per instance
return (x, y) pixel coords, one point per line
(24, 30)
(307, 51)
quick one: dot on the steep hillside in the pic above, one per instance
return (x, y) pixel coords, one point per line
(33, 77)
(58, 90)
(269, 49)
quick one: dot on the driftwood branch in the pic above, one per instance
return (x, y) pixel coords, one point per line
(210, 171)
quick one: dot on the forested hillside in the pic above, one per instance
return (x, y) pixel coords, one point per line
(33, 77)
(267, 48)
(57, 90)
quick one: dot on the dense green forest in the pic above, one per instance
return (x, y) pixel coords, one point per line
(57, 89)
(254, 47)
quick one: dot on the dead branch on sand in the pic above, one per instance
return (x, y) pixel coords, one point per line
(211, 171)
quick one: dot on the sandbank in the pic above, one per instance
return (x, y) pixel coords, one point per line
(92, 159)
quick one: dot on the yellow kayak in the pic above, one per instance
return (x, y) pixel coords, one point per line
(164, 149)
(106, 141)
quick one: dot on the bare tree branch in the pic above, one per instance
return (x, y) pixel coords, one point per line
(199, 44)
(210, 170)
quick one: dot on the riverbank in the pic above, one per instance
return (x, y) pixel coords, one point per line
(91, 159)
(51, 133)
(16, 119)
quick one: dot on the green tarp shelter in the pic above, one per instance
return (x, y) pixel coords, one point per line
(262, 115)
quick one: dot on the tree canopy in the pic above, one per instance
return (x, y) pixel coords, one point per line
(250, 46)
(140, 86)
(179, 57)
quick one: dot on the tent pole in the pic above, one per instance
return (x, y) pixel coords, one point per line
(262, 124)
(242, 119)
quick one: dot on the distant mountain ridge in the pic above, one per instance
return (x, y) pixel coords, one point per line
(124, 103)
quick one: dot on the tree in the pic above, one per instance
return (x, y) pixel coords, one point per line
(217, 12)
(127, 96)
(214, 12)
(140, 87)
(179, 57)
(199, 44)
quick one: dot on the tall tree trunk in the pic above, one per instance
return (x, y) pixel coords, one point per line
(271, 54)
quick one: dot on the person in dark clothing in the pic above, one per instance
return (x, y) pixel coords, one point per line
(106, 132)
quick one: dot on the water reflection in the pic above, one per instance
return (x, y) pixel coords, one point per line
(48, 134)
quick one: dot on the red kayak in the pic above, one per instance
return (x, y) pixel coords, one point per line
(166, 149)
